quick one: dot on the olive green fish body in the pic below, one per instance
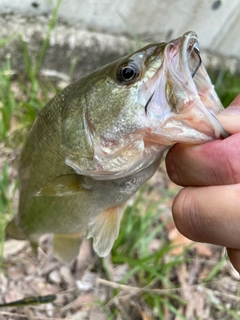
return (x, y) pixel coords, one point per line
(84, 198)
(94, 144)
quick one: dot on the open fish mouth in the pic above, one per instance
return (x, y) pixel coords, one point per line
(190, 96)
(187, 78)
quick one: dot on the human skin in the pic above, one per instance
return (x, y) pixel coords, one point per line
(207, 209)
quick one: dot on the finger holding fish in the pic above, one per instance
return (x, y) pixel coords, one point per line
(211, 215)
(209, 212)
(213, 163)
(230, 117)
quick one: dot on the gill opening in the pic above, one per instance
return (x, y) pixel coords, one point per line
(149, 100)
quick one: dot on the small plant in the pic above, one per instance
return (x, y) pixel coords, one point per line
(227, 85)
(21, 98)
(150, 272)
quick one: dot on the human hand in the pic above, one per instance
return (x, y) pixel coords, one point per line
(208, 208)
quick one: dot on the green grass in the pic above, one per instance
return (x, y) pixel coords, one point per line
(151, 270)
(227, 85)
(5, 204)
(21, 100)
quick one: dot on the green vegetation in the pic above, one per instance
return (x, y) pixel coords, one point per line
(227, 85)
(149, 269)
(21, 98)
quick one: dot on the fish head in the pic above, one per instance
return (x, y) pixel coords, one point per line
(139, 105)
(183, 103)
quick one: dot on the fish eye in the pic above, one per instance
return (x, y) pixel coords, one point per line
(128, 72)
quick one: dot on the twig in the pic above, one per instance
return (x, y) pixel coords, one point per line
(116, 285)
(199, 287)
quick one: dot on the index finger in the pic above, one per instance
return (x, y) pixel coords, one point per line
(212, 163)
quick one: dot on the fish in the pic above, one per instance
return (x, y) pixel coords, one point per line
(101, 138)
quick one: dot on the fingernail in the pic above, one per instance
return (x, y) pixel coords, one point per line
(231, 111)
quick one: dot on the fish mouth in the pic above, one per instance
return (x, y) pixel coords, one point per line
(191, 101)
(200, 99)
(184, 56)
(190, 54)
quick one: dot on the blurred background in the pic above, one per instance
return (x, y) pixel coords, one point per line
(153, 272)
(92, 32)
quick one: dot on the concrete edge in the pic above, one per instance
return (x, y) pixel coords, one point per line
(83, 49)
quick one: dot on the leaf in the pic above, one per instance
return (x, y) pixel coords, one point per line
(145, 316)
(180, 242)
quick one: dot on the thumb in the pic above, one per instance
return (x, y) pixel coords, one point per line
(230, 117)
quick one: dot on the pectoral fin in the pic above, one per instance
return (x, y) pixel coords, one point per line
(62, 186)
(104, 229)
(66, 246)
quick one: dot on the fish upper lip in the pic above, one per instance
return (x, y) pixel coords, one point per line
(189, 49)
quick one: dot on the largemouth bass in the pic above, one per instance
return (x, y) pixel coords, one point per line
(94, 144)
